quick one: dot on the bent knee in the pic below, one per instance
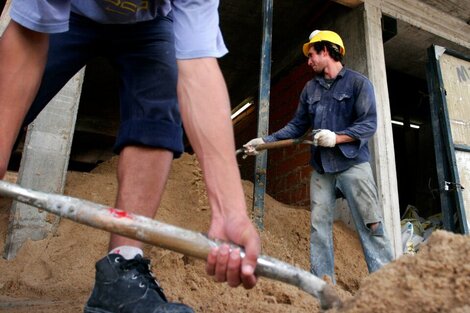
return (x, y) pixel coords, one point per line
(376, 229)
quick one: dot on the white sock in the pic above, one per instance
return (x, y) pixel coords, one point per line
(128, 252)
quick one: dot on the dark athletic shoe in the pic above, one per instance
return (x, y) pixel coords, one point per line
(128, 286)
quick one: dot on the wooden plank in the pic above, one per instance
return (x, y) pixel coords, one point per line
(24, 305)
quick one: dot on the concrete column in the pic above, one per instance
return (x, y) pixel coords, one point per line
(362, 32)
(384, 156)
(44, 165)
(5, 17)
(44, 161)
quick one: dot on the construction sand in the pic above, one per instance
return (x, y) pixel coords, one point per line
(56, 275)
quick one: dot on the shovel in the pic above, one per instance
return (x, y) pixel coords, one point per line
(281, 143)
(165, 236)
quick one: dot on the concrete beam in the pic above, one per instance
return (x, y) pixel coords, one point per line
(426, 18)
(350, 3)
(421, 15)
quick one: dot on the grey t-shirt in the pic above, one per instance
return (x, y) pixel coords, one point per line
(196, 22)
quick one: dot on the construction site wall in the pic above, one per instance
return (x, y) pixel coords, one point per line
(288, 169)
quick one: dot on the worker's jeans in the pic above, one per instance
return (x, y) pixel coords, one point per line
(357, 185)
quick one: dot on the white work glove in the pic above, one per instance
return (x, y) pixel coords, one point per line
(250, 146)
(325, 138)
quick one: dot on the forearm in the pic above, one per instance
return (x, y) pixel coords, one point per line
(23, 54)
(344, 138)
(205, 109)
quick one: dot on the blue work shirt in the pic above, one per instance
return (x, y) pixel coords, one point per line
(195, 22)
(347, 107)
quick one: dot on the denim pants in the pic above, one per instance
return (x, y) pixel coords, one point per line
(143, 55)
(358, 187)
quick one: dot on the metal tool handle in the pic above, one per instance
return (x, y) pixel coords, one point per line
(166, 236)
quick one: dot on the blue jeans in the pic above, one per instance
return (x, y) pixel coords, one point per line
(358, 187)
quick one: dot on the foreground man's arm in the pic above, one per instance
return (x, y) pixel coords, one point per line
(23, 55)
(205, 109)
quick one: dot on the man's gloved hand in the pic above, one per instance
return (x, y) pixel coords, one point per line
(250, 146)
(325, 138)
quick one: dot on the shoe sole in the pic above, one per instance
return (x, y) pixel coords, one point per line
(97, 310)
(94, 310)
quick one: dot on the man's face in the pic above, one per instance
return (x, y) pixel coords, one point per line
(317, 61)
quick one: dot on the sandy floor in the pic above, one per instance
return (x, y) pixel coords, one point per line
(56, 274)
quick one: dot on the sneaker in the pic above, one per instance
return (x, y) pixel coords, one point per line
(128, 286)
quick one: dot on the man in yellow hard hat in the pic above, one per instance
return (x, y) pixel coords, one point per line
(340, 103)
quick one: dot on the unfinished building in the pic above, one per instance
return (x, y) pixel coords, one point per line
(415, 52)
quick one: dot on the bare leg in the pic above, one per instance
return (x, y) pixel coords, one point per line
(142, 175)
(129, 285)
(23, 55)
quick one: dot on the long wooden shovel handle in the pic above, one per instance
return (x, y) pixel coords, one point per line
(163, 235)
(283, 143)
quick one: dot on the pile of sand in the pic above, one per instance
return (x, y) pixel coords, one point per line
(56, 274)
(437, 279)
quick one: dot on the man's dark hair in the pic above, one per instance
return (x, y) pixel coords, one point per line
(333, 49)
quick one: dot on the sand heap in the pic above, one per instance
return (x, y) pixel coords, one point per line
(56, 274)
(437, 279)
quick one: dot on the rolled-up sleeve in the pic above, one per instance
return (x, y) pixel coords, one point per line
(197, 31)
(46, 16)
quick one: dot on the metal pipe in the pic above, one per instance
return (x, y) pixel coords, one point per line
(263, 113)
(166, 236)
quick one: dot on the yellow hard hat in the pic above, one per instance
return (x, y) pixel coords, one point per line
(324, 35)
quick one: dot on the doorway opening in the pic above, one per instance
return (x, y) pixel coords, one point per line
(406, 58)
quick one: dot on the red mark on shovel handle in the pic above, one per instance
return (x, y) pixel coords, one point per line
(119, 213)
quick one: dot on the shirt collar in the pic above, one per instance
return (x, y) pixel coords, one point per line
(321, 79)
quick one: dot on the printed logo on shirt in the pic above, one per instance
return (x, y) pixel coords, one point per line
(125, 7)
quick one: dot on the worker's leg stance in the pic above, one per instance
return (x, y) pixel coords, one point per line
(149, 136)
(152, 122)
(358, 186)
(322, 204)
